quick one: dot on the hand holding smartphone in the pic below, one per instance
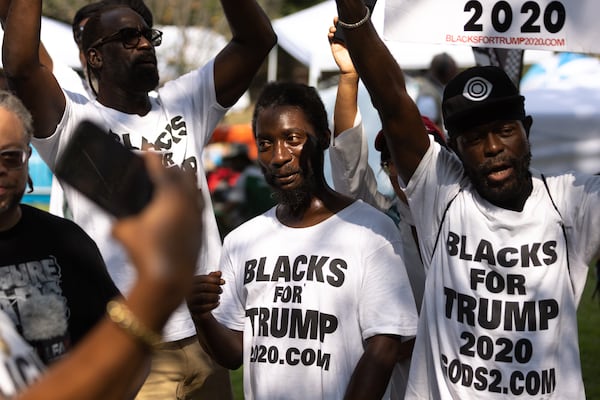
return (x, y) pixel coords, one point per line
(105, 171)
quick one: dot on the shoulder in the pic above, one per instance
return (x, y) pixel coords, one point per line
(570, 183)
(571, 178)
(575, 195)
(370, 220)
(35, 214)
(250, 230)
(51, 222)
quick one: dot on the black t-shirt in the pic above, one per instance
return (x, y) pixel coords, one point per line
(53, 282)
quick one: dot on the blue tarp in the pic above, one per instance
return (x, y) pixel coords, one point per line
(42, 181)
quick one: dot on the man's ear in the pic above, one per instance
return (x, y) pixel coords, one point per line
(94, 58)
(527, 122)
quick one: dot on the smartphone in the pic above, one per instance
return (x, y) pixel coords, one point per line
(106, 172)
(338, 36)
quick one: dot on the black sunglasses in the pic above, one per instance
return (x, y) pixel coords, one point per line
(130, 37)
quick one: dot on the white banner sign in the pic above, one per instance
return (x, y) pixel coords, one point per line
(557, 25)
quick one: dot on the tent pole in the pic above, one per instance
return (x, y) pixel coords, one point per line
(272, 64)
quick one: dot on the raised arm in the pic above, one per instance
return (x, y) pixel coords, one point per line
(237, 64)
(31, 80)
(351, 173)
(385, 82)
(45, 58)
(346, 100)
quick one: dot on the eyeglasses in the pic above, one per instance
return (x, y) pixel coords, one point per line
(387, 167)
(13, 158)
(130, 37)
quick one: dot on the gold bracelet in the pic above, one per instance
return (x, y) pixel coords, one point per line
(121, 315)
(346, 25)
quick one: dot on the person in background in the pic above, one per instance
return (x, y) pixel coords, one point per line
(507, 249)
(221, 181)
(163, 242)
(318, 260)
(353, 176)
(431, 86)
(250, 195)
(55, 286)
(176, 122)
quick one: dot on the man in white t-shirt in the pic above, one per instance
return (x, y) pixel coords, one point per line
(507, 249)
(177, 122)
(316, 302)
(70, 80)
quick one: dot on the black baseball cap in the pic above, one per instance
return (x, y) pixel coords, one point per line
(480, 95)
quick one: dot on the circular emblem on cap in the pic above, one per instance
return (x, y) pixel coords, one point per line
(477, 89)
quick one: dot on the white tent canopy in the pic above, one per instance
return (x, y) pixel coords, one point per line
(304, 35)
(563, 96)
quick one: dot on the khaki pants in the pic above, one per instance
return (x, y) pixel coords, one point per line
(181, 370)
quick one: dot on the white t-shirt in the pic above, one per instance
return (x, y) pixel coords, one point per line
(307, 298)
(180, 123)
(499, 316)
(69, 80)
(19, 363)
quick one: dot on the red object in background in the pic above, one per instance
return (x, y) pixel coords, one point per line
(237, 133)
(221, 174)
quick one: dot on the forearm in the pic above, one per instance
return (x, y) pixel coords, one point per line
(374, 369)
(237, 64)
(222, 343)
(31, 80)
(371, 57)
(346, 101)
(383, 78)
(20, 49)
(249, 24)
